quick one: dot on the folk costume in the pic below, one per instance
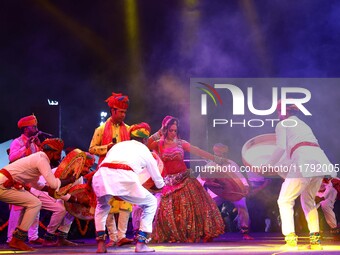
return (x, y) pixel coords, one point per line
(118, 176)
(186, 212)
(18, 147)
(302, 150)
(103, 138)
(27, 170)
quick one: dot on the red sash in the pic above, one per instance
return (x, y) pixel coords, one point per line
(298, 145)
(10, 182)
(116, 166)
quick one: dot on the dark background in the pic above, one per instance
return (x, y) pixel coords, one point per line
(78, 52)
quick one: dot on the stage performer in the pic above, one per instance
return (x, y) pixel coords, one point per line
(302, 150)
(61, 221)
(28, 142)
(186, 212)
(22, 146)
(27, 170)
(221, 150)
(113, 131)
(118, 176)
(326, 198)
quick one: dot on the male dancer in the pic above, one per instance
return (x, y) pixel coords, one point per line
(118, 176)
(302, 150)
(13, 178)
(26, 144)
(113, 131)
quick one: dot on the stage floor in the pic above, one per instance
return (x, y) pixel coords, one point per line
(229, 243)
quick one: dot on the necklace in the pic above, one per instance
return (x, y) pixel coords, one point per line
(170, 140)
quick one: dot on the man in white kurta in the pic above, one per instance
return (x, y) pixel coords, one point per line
(296, 139)
(27, 170)
(61, 221)
(118, 176)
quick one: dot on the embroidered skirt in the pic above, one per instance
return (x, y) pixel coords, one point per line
(186, 212)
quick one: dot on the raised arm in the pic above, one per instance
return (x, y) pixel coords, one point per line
(202, 153)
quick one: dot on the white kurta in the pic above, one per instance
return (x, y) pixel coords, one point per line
(115, 182)
(27, 170)
(301, 180)
(109, 182)
(307, 159)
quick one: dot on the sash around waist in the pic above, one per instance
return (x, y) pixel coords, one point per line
(298, 145)
(10, 182)
(117, 166)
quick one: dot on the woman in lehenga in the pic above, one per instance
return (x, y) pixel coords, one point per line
(186, 212)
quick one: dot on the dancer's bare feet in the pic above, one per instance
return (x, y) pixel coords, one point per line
(142, 247)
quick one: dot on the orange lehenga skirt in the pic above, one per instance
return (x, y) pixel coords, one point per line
(186, 212)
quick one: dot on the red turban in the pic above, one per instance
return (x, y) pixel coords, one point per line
(118, 101)
(30, 120)
(141, 130)
(52, 144)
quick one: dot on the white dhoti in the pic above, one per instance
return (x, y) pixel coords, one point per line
(148, 204)
(290, 190)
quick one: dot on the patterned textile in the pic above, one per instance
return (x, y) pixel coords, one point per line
(90, 159)
(141, 130)
(186, 212)
(118, 100)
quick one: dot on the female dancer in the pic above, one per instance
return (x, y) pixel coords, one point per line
(186, 212)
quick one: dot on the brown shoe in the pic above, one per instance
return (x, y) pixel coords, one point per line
(111, 243)
(124, 241)
(38, 241)
(19, 244)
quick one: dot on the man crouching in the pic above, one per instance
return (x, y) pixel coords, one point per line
(118, 176)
